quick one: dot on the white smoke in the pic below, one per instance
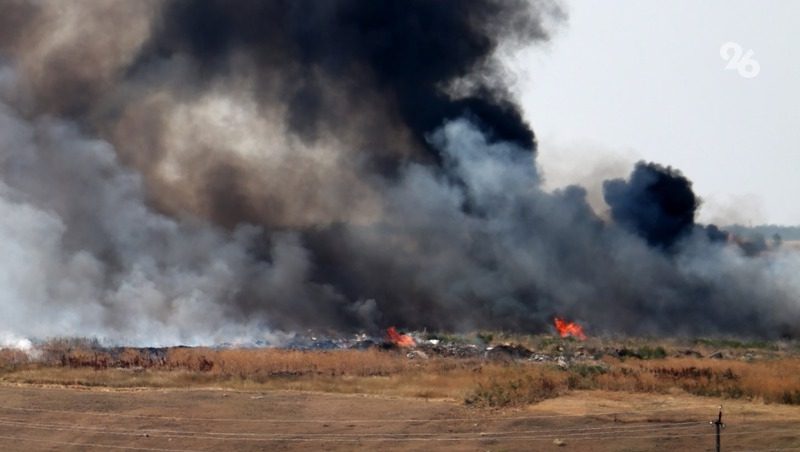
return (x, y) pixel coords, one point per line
(8, 340)
(83, 255)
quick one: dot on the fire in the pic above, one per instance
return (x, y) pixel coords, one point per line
(569, 328)
(400, 340)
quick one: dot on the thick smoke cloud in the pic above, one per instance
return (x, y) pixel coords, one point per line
(407, 50)
(519, 256)
(656, 202)
(211, 171)
(206, 97)
(84, 255)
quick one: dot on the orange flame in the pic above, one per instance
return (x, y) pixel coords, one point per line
(400, 340)
(569, 328)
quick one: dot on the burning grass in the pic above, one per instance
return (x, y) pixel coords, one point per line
(773, 376)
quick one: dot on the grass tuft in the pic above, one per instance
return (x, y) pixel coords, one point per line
(523, 390)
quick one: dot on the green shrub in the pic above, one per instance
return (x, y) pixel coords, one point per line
(648, 352)
(514, 392)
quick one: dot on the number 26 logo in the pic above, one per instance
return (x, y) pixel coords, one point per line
(739, 60)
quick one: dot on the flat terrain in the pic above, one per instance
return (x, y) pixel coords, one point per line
(38, 417)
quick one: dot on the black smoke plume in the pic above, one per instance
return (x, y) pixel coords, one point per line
(656, 202)
(204, 171)
(408, 50)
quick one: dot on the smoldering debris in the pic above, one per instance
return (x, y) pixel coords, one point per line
(469, 349)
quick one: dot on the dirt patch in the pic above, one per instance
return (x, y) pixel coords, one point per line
(47, 418)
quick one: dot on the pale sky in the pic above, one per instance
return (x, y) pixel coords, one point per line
(625, 80)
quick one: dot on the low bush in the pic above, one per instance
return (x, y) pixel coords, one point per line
(516, 391)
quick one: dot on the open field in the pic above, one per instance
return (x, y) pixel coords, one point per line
(58, 418)
(523, 393)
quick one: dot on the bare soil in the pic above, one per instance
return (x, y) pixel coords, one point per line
(36, 417)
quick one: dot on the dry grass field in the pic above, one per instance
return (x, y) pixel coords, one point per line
(739, 370)
(635, 395)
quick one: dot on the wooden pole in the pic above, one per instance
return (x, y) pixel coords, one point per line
(719, 425)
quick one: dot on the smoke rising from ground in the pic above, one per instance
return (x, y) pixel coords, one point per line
(212, 171)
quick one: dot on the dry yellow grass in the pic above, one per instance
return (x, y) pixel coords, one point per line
(258, 364)
(390, 372)
(12, 358)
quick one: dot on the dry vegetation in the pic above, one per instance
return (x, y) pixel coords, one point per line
(751, 371)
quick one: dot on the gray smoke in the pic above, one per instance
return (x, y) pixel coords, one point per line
(212, 171)
(83, 255)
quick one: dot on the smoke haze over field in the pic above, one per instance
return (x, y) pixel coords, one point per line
(197, 172)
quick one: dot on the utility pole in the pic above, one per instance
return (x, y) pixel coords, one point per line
(719, 425)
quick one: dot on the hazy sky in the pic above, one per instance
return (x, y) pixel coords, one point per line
(628, 80)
